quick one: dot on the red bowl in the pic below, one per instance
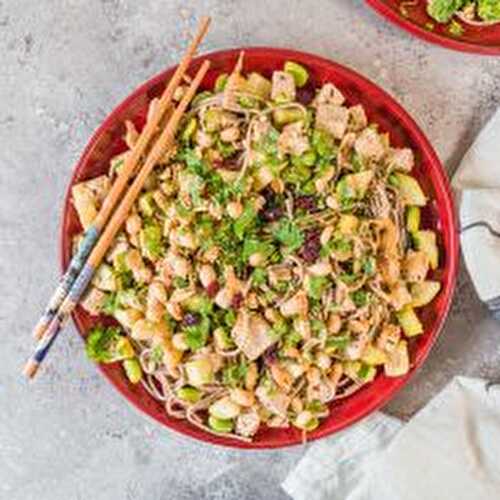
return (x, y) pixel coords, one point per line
(477, 39)
(439, 215)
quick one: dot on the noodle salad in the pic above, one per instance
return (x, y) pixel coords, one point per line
(470, 12)
(273, 263)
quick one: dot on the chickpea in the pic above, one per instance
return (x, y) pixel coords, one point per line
(251, 376)
(242, 397)
(230, 134)
(133, 224)
(234, 209)
(326, 235)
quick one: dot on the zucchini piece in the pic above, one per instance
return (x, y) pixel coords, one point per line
(287, 115)
(225, 409)
(409, 321)
(258, 85)
(189, 130)
(409, 189)
(424, 292)
(398, 363)
(373, 355)
(306, 421)
(412, 219)
(220, 424)
(366, 373)
(133, 370)
(354, 186)
(299, 73)
(199, 372)
(359, 371)
(189, 394)
(425, 240)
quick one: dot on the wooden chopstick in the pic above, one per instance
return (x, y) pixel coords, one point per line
(94, 231)
(164, 142)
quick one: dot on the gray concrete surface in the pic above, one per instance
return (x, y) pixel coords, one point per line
(65, 65)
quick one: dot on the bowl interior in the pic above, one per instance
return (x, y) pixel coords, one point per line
(478, 39)
(381, 108)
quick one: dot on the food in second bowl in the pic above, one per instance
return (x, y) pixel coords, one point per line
(274, 262)
(479, 12)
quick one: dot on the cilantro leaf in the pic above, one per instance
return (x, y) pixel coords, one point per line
(151, 240)
(368, 265)
(197, 335)
(259, 276)
(245, 222)
(194, 164)
(360, 298)
(106, 345)
(316, 286)
(336, 244)
(252, 245)
(234, 374)
(290, 235)
(110, 304)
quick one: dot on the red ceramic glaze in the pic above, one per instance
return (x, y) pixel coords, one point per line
(477, 39)
(381, 108)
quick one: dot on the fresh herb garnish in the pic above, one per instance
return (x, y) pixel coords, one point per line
(110, 304)
(259, 276)
(368, 266)
(197, 335)
(151, 239)
(252, 246)
(360, 298)
(289, 234)
(107, 345)
(337, 244)
(179, 282)
(235, 374)
(245, 222)
(316, 286)
(335, 343)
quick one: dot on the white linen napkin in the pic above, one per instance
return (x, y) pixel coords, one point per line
(332, 469)
(450, 449)
(477, 185)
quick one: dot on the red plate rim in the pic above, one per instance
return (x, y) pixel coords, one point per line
(458, 45)
(440, 185)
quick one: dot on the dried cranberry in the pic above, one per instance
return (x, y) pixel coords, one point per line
(271, 210)
(305, 95)
(273, 213)
(232, 163)
(212, 288)
(269, 195)
(217, 163)
(237, 300)
(306, 203)
(312, 235)
(191, 319)
(270, 355)
(312, 245)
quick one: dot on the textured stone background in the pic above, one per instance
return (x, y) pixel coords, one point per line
(65, 65)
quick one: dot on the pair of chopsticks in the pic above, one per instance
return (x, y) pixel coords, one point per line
(98, 238)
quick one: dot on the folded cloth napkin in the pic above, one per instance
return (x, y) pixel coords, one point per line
(477, 185)
(449, 450)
